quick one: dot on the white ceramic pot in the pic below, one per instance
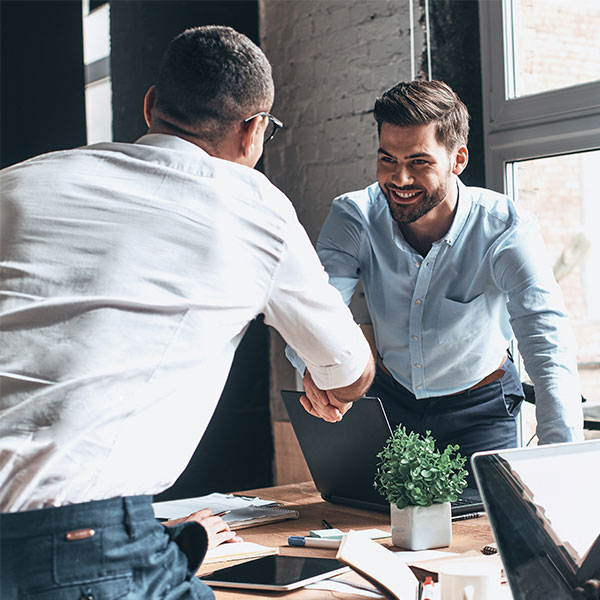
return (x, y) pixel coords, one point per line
(421, 527)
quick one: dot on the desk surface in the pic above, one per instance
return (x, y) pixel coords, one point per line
(467, 535)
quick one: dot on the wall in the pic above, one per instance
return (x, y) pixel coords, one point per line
(140, 33)
(455, 59)
(41, 87)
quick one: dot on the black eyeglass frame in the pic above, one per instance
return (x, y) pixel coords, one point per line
(276, 122)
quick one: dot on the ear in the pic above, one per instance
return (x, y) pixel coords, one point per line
(149, 104)
(249, 137)
(460, 158)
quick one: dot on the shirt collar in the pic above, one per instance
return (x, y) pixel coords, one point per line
(462, 212)
(164, 140)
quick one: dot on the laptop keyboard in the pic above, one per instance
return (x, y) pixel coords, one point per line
(463, 506)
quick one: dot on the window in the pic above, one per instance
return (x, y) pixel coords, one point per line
(96, 56)
(541, 104)
(552, 44)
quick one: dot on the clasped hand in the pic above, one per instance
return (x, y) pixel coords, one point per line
(322, 403)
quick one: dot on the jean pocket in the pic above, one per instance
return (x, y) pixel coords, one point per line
(107, 588)
(78, 560)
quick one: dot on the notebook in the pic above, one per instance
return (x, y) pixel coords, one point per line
(342, 457)
(237, 551)
(242, 511)
(542, 503)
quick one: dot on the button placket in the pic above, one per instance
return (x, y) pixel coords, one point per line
(416, 321)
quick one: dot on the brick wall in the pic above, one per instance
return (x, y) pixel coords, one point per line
(330, 60)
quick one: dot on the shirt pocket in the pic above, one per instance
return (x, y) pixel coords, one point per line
(460, 321)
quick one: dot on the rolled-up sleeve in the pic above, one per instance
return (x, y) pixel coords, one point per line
(312, 317)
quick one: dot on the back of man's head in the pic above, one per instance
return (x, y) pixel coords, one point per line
(210, 78)
(413, 103)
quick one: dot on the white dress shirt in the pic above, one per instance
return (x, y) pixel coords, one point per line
(130, 274)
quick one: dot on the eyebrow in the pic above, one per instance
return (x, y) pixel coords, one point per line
(415, 155)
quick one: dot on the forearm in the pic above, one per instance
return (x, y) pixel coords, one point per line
(549, 355)
(540, 323)
(352, 392)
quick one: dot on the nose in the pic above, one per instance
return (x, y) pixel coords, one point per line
(402, 176)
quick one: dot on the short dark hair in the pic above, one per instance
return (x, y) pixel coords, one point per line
(211, 77)
(411, 103)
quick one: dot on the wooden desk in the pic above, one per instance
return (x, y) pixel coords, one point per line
(471, 534)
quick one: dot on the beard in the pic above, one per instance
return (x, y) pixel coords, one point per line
(413, 212)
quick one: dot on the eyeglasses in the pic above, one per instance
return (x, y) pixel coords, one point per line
(272, 127)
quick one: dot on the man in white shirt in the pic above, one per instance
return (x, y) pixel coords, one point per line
(130, 274)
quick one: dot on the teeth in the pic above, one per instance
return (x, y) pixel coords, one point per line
(405, 195)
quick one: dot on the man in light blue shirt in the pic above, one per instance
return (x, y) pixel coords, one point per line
(450, 273)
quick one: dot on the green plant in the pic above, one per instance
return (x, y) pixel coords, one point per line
(411, 471)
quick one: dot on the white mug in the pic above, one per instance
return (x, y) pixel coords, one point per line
(469, 580)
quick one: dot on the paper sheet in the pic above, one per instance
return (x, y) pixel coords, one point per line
(343, 587)
(173, 509)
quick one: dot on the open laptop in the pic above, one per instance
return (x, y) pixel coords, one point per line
(342, 457)
(542, 503)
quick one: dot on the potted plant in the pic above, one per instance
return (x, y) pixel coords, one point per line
(419, 482)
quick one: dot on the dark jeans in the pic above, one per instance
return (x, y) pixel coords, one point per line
(476, 420)
(129, 555)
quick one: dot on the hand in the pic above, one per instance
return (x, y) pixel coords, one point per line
(322, 403)
(217, 530)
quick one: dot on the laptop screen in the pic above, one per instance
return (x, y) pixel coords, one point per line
(342, 457)
(542, 503)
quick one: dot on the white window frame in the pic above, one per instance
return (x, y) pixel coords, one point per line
(540, 125)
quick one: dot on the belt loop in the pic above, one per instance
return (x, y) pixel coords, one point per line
(128, 518)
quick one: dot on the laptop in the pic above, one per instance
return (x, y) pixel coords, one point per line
(542, 503)
(342, 457)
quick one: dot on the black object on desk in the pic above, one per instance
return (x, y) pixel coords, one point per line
(276, 573)
(342, 458)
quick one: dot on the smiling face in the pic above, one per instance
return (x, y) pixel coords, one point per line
(415, 171)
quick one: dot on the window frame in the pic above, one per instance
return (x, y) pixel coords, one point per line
(545, 124)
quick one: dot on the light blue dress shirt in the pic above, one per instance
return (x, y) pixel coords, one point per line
(444, 321)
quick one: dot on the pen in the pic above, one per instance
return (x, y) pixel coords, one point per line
(222, 513)
(298, 540)
(467, 516)
(326, 524)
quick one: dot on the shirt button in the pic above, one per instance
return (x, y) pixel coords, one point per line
(417, 302)
(419, 387)
(417, 264)
(418, 365)
(414, 338)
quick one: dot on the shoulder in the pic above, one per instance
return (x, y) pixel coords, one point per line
(362, 204)
(41, 160)
(264, 194)
(497, 210)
